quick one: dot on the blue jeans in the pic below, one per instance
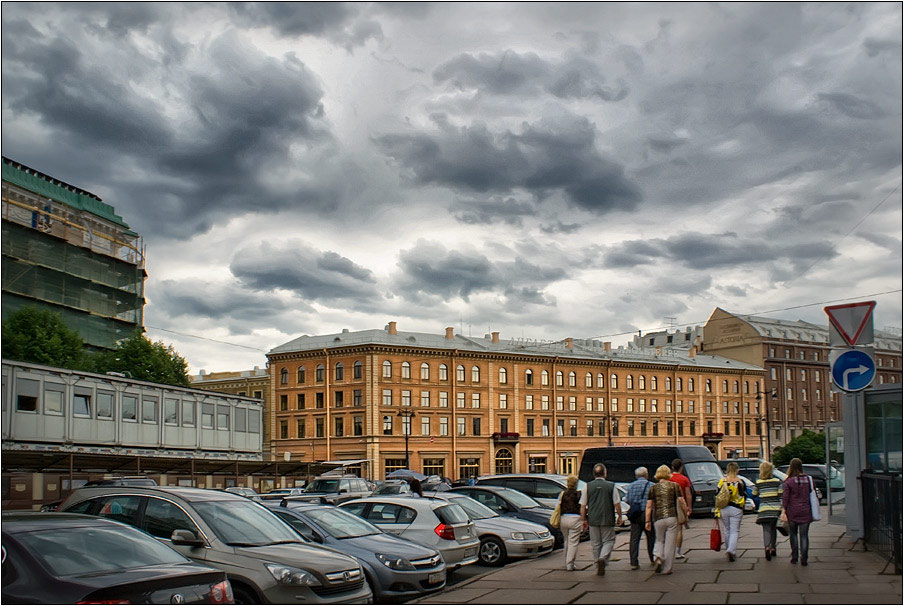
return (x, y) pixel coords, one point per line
(801, 544)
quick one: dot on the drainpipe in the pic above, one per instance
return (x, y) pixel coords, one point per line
(555, 419)
(329, 402)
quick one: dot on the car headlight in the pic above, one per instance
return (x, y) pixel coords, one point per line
(525, 536)
(289, 575)
(543, 534)
(395, 562)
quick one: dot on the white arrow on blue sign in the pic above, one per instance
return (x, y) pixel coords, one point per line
(853, 370)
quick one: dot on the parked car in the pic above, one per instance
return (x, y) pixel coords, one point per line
(263, 557)
(248, 493)
(545, 488)
(509, 502)
(501, 538)
(395, 568)
(60, 558)
(278, 494)
(390, 487)
(751, 502)
(818, 473)
(430, 522)
(115, 481)
(332, 490)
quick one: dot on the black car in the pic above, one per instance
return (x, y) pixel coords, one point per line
(508, 502)
(60, 558)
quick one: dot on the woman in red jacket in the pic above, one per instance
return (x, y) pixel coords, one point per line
(796, 509)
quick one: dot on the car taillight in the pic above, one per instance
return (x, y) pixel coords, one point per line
(445, 532)
(221, 593)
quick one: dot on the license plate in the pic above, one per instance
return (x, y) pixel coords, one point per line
(470, 552)
(436, 577)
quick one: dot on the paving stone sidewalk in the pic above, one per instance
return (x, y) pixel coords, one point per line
(840, 572)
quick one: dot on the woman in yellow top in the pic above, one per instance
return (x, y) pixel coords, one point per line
(730, 516)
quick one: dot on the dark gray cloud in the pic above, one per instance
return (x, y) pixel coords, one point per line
(549, 155)
(338, 21)
(492, 210)
(216, 301)
(852, 106)
(877, 46)
(314, 275)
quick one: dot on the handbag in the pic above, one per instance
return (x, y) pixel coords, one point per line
(555, 518)
(782, 527)
(715, 537)
(815, 512)
(723, 497)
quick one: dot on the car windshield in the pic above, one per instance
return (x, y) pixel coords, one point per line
(703, 471)
(341, 524)
(91, 550)
(245, 523)
(520, 499)
(391, 489)
(323, 486)
(475, 510)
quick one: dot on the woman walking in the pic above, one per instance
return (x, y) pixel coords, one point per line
(730, 515)
(796, 510)
(769, 489)
(571, 523)
(662, 514)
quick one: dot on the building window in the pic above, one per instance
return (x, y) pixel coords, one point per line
(572, 379)
(283, 376)
(655, 428)
(357, 398)
(600, 380)
(387, 369)
(629, 404)
(528, 377)
(460, 373)
(444, 399)
(629, 382)
(300, 428)
(724, 408)
(475, 374)
(573, 427)
(434, 467)
(641, 382)
(693, 428)
(736, 408)
(503, 400)
(709, 427)
(528, 402)
(613, 381)
(614, 427)
(803, 395)
(406, 370)
(425, 426)
(736, 387)
(504, 461)
(530, 427)
(425, 399)
(443, 372)
(572, 403)
(391, 465)
(503, 376)
(358, 370)
(544, 378)
(475, 425)
(787, 374)
(544, 431)
(468, 467)
(544, 402)
(668, 406)
(737, 428)
(387, 397)
(727, 428)
(299, 375)
(299, 401)
(560, 402)
(690, 406)
(588, 380)
(283, 402)
(406, 397)
(444, 426)
(588, 403)
(339, 426)
(503, 424)
(283, 430)
(709, 386)
(630, 427)
(460, 399)
(340, 372)
(319, 373)
(475, 400)
(358, 425)
(643, 428)
(709, 407)
(642, 405)
(207, 411)
(387, 425)
(654, 383)
(589, 428)
(678, 384)
(690, 385)
(803, 375)
(816, 375)
(148, 409)
(668, 383)
(460, 425)
(536, 464)
(560, 427)
(614, 405)
(789, 393)
(560, 378)
(654, 406)
(318, 399)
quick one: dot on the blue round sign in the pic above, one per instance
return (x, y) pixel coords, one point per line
(853, 370)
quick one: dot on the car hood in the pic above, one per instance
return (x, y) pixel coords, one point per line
(536, 514)
(504, 525)
(386, 544)
(301, 555)
(187, 573)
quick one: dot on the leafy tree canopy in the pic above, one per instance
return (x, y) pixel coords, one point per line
(141, 359)
(40, 336)
(809, 447)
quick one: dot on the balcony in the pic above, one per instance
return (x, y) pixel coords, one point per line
(506, 437)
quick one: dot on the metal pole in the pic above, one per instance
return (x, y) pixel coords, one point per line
(407, 431)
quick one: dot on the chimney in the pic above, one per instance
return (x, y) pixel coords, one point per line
(607, 345)
(569, 343)
(495, 337)
(659, 351)
(392, 328)
(450, 333)
(693, 352)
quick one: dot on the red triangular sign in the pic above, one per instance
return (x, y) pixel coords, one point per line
(851, 319)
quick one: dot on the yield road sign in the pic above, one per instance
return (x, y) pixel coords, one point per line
(853, 322)
(852, 370)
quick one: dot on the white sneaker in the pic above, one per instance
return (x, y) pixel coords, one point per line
(569, 567)
(680, 556)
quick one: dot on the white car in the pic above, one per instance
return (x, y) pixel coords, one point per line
(434, 523)
(501, 537)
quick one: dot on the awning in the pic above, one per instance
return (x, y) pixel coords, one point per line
(346, 462)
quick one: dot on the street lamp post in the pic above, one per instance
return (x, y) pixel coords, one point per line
(759, 399)
(406, 415)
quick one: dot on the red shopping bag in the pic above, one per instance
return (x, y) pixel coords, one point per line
(715, 537)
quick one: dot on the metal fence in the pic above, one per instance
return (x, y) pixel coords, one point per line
(882, 515)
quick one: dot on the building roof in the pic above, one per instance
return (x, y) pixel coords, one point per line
(45, 185)
(799, 330)
(582, 348)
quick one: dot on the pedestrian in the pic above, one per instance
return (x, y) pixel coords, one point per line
(415, 486)
(663, 501)
(769, 490)
(796, 510)
(637, 505)
(600, 514)
(571, 523)
(684, 482)
(471, 481)
(730, 516)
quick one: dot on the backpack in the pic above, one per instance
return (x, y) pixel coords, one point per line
(723, 497)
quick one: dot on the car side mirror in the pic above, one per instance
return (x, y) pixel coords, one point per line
(186, 537)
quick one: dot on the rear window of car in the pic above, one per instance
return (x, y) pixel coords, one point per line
(451, 514)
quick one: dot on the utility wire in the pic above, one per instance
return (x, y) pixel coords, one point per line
(185, 334)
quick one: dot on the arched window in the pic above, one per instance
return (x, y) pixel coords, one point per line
(387, 369)
(724, 386)
(528, 377)
(737, 387)
(678, 383)
(588, 380)
(319, 373)
(544, 378)
(560, 378)
(300, 375)
(406, 370)
(460, 373)
(572, 379)
(668, 383)
(504, 461)
(690, 385)
(475, 374)
(600, 380)
(746, 386)
(641, 382)
(283, 376)
(709, 386)
(654, 383)
(443, 372)
(503, 375)
(613, 381)
(358, 370)
(425, 372)
(629, 382)
(340, 371)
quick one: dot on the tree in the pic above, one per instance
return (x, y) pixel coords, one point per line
(40, 336)
(809, 447)
(141, 359)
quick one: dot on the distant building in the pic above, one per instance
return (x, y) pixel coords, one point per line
(669, 339)
(795, 356)
(474, 406)
(252, 383)
(67, 251)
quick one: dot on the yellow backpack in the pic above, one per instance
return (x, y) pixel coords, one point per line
(723, 497)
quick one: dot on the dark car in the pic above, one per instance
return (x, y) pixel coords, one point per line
(818, 472)
(117, 481)
(332, 490)
(395, 568)
(508, 502)
(60, 558)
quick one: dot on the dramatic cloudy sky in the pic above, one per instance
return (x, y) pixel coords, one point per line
(544, 170)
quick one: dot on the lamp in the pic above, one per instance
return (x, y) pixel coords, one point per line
(759, 399)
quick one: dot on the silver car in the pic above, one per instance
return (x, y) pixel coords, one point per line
(434, 523)
(501, 538)
(545, 488)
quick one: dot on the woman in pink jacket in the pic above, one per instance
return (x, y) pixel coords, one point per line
(796, 509)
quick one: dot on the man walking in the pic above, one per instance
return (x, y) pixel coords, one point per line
(598, 513)
(638, 490)
(684, 483)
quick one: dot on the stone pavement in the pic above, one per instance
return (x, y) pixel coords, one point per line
(840, 572)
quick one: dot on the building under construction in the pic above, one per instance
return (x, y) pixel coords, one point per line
(67, 251)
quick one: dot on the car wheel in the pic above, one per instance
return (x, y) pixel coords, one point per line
(492, 552)
(243, 595)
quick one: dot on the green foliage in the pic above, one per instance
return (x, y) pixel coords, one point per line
(809, 447)
(40, 336)
(141, 359)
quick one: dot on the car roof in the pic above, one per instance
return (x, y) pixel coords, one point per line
(428, 502)
(29, 521)
(545, 476)
(487, 488)
(185, 493)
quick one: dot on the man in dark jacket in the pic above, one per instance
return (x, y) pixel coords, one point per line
(637, 503)
(599, 512)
